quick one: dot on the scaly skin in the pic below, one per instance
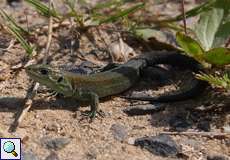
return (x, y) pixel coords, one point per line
(90, 88)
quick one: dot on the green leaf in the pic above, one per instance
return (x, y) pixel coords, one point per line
(222, 35)
(190, 46)
(218, 56)
(208, 25)
(224, 4)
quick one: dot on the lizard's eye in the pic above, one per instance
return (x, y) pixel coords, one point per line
(60, 79)
(44, 71)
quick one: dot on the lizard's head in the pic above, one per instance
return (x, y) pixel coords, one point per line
(49, 77)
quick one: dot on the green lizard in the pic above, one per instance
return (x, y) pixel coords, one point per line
(89, 88)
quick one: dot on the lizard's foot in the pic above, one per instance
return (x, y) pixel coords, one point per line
(93, 114)
(90, 114)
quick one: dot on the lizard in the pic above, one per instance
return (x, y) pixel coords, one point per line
(89, 88)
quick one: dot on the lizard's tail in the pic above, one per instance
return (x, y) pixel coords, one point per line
(194, 90)
(175, 59)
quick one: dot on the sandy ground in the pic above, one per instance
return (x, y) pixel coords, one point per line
(52, 117)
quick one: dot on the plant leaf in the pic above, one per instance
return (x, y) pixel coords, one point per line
(190, 46)
(224, 4)
(222, 35)
(218, 56)
(208, 25)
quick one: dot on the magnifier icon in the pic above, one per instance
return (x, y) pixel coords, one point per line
(9, 147)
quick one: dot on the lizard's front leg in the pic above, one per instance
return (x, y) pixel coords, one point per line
(94, 102)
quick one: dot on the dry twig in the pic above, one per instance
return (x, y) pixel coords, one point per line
(202, 134)
(184, 17)
(31, 93)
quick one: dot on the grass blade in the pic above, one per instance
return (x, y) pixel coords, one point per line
(9, 19)
(192, 12)
(43, 9)
(122, 13)
(107, 4)
(217, 81)
(17, 31)
(23, 42)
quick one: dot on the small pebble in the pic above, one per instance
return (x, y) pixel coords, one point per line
(179, 123)
(5, 74)
(217, 157)
(226, 129)
(28, 156)
(162, 145)
(143, 109)
(119, 132)
(204, 126)
(55, 143)
(52, 156)
(131, 141)
(14, 3)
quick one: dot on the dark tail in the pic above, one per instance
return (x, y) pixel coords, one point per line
(174, 59)
(195, 88)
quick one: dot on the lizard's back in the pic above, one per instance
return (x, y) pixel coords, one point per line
(109, 82)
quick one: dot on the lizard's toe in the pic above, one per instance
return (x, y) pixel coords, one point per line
(101, 113)
(92, 115)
